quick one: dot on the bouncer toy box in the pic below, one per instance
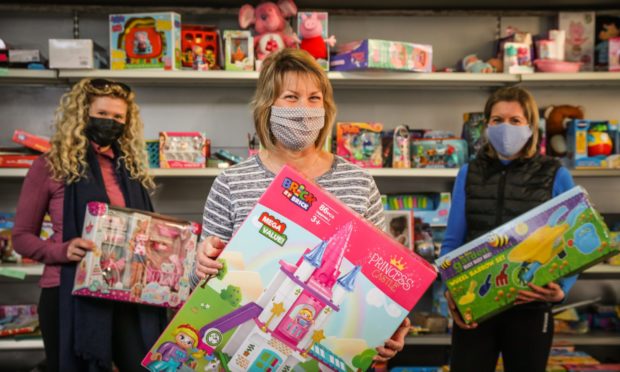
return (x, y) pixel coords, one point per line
(383, 54)
(145, 40)
(360, 143)
(307, 284)
(561, 237)
(138, 257)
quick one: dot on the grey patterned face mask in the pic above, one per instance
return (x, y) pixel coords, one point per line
(296, 128)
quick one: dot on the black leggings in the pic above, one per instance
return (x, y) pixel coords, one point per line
(522, 334)
(128, 349)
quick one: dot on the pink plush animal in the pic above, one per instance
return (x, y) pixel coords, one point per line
(270, 27)
(311, 32)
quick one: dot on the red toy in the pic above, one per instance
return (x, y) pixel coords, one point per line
(199, 43)
(271, 32)
(31, 141)
(312, 32)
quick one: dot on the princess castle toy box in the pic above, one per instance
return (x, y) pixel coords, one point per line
(307, 284)
(556, 239)
(139, 256)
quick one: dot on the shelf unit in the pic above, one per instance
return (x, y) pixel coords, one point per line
(598, 338)
(28, 269)
(21, 344)
(375, 172)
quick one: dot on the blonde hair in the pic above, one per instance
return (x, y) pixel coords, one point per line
(269, 87)
(67, 157)
(530, 110)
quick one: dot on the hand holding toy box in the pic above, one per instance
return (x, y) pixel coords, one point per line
(139, 257)
(145, 40)
(382, 54)
(307, 284)
(559, 238)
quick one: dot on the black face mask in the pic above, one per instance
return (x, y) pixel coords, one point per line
(103, 132)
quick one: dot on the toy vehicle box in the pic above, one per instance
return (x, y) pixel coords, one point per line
(145, 40)
(31, 141)
(438, 153)
(308, 283)
(139, 257)
(561, 237)
(360, 143)
(382, 54)
(183, 150)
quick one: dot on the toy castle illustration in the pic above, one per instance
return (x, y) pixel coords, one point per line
(284, 327)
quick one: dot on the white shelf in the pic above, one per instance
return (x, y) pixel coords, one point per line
(196, 172)
(373, 79)
(25, 76)
(243, 78)
(414, 172)
(571, 79)
(20, 344)
(13, 172)
(28, 269)
(594, 338)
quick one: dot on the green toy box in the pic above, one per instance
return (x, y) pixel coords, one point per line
(556, 239)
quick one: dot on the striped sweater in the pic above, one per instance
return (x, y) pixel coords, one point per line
(236, 191)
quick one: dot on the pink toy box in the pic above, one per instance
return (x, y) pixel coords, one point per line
(382, 54)
(312, 29)
(308, 284)
(183, 150)
(579, 45)
(139, 256)
(614, 54)
(360, 143)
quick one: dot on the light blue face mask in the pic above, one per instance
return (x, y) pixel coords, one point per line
(508, 139)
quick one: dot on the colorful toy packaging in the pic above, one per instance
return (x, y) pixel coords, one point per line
(312, 30)
(400, 226)
(139, 257)
(401, 144)
(382, 54)
(201, 47)
(17, 157)
(589, 144)
(145, 40)
(607, 28)
(473, 132)
(31, 141)
(439, 153)
(558, 238)
(360, 143)
(614, 54)
(517, 58)
(432, 208)
(239, 53)
(18, 319)
(579, 28)
(183, 150)
(303, 277)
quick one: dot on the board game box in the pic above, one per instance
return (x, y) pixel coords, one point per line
(307, 284)
(561, 237)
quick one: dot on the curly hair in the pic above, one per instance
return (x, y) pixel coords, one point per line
(67, 157)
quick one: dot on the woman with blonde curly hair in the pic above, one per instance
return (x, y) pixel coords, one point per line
(97, 154)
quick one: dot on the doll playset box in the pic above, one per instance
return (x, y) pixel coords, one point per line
(18, 319)
(307, 284)
(183, 150)
(559, 238)
(360, 143)
(139, 257)
(145, 40)
(383, 54)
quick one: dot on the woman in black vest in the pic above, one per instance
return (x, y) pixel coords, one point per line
(97, 154)
(507, 178)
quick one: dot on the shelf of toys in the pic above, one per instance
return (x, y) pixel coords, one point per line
(599, 338)
(21, 344)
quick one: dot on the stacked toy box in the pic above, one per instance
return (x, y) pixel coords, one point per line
(307, 284)
(561, 237)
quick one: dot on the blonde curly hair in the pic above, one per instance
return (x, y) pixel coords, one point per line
(67, 157)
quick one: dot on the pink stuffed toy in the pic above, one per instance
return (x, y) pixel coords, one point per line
(270, 27)
(311, 32)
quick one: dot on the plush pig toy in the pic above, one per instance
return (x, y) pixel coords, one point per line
(270, 27)
(311, 32)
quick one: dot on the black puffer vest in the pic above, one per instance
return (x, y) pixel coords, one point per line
(496, 193)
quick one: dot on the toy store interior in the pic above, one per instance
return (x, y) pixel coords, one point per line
(410, 81)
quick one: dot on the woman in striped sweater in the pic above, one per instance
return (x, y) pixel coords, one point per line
(293, 110)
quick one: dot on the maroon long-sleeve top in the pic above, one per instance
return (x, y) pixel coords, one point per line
(41, 194)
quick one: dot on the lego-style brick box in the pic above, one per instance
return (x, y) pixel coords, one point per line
(383, 54)
(559, 238)
(145, 40)
(307, 284)
(139, 257)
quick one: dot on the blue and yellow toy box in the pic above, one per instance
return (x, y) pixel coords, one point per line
(561, 237)
(308, 285)
(145, 40)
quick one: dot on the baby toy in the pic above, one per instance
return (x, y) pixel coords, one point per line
(312, 28)
(200, 45)
(271, 32)
(472, 63)
(556, 118)
(599, 141)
